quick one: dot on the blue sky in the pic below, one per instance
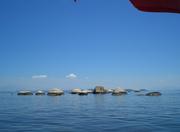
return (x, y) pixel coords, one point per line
(98, 42)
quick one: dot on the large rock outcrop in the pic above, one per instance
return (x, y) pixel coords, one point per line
(99, 90)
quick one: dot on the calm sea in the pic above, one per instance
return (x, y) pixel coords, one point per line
(92, 113)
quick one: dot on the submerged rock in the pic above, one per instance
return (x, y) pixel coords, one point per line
(76, 91)
(141, 94)
(154, 94)
(140, 90)
(55, 92)
(99, 90)
(129, 90)
(119, 91)
(137, 91)
(40, 92)
(25, 92)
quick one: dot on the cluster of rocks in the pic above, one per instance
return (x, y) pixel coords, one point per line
(51, 92)
(81, 91)
(96, 90)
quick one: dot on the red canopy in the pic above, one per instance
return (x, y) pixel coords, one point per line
(172, 6)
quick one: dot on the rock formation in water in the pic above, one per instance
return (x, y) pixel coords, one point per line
(25, 92)
(154, 94)
(40, 92)
(83, 92)
(75, 91)
(55, 92)
(119, 91)
(99, 90)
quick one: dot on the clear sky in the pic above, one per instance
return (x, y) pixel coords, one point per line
(59, 43)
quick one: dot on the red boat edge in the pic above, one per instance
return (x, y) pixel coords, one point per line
(171, 6)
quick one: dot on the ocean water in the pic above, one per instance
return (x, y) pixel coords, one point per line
(92, 113)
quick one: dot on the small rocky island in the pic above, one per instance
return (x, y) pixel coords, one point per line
(25, 92)
(55, 92)
(119, 91)
(40, 92)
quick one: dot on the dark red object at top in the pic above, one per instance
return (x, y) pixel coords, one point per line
(172, 6)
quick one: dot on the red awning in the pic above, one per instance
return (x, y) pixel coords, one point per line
(172, 6)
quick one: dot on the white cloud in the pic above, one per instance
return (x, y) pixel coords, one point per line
(39, 76)
(71, 76)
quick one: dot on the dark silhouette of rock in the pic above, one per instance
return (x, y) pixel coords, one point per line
(154, 94)
(136, 91)
(139, 90)
(140, 94)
